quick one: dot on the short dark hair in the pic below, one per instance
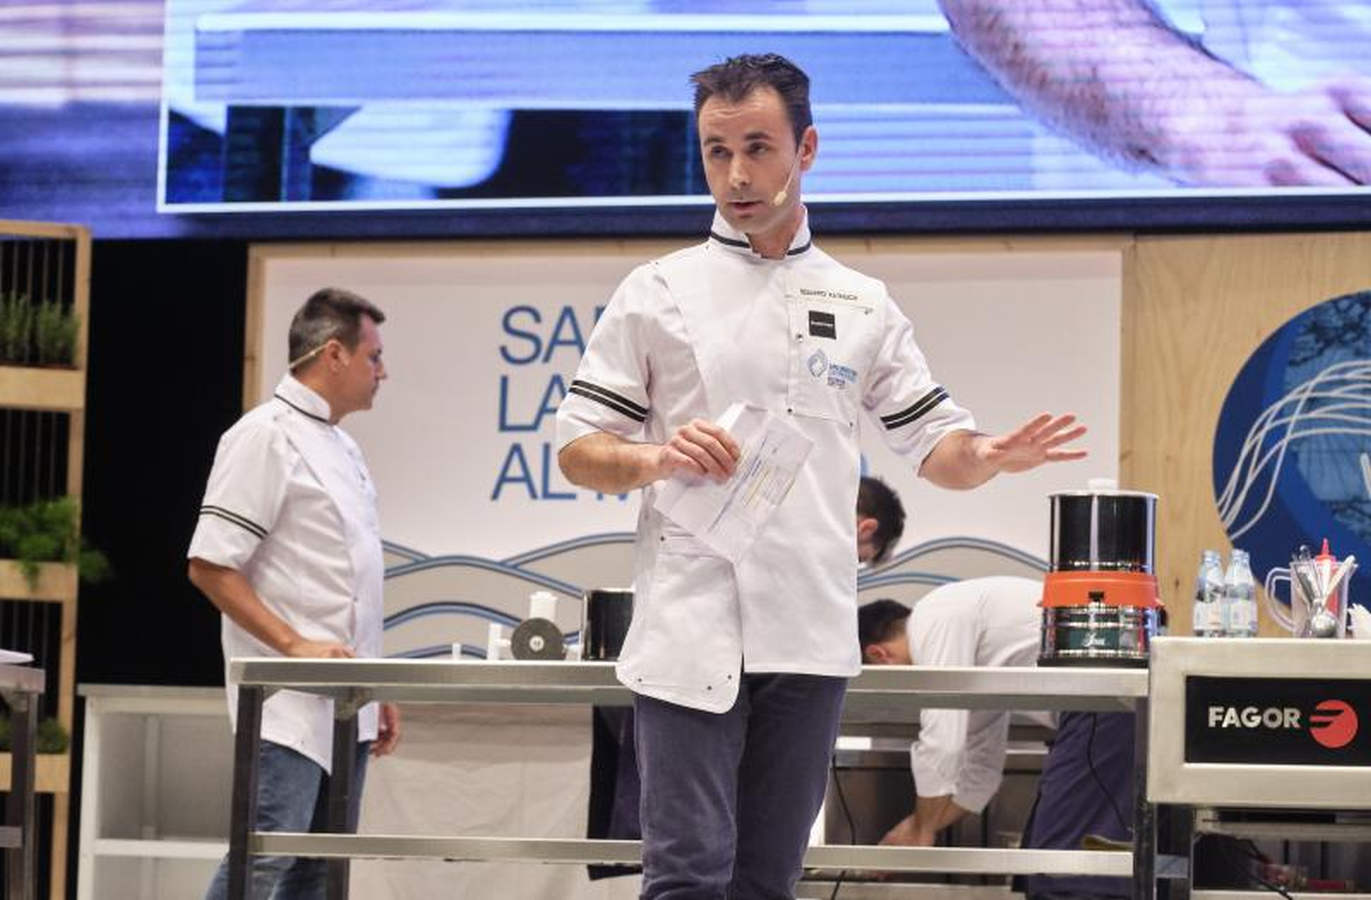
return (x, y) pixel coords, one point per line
(876, 500)
(330, 313)
(735, 78)
(879, 621)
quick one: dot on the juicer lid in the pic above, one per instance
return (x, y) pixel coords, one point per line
(1109, 492)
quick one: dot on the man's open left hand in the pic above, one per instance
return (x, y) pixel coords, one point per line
(1039, 440)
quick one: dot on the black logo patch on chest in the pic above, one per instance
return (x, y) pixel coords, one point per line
(822, 324)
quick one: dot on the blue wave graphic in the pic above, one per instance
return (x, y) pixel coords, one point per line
(438, 651)
(884, 575)
(445, 607)
(479, 562)
(514, 564)
(964, 543)
(589, 540)
(399, 550)
(873, 581)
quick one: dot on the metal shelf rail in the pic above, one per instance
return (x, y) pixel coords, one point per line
(879, 694)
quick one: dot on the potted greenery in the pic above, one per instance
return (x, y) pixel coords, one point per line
(41, 334)
(51, 737)
(46, 532)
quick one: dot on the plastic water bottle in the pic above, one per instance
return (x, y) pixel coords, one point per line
(1207, 616)
(1239, 597)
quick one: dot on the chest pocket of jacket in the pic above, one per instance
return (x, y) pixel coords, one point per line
(830, 348)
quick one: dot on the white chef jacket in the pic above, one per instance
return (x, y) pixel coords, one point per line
(291, 506)
(686, 336)
(977, 622)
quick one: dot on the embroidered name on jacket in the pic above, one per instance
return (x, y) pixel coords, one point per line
(822, 324)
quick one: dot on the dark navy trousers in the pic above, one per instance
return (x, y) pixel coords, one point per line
(1086, 788)
(729, 799)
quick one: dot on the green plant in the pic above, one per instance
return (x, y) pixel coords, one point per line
(45, 531)
(44, 333)
(54, 333)
(51, 737)
(16, 327)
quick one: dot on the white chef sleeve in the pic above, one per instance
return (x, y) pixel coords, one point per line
(246, 489)
(610, 389)
(941, 634)
(911, 410)
(987, 742)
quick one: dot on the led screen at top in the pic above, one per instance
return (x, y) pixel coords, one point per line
(155, 117)
(395, 103)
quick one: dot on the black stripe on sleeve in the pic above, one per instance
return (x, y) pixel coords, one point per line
(617, 402)
(913, 413)
(229, 516)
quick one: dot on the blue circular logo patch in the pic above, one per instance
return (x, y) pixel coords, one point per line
(1292, 451)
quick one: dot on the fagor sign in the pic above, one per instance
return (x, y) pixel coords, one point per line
(1275, 721)
(1333, 724)
(1252, 717)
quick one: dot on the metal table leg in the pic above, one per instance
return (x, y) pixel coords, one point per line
(340, 789)
(243, 815)
(19, 807)
(1144, 813)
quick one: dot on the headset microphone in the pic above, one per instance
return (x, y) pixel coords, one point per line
(784, 192)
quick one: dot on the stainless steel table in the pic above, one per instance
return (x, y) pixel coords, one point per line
(879, 694)
(1268, 724)
(20, 687)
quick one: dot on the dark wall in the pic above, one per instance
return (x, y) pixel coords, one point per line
(165, 380)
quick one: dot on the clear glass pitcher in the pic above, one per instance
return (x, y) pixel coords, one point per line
(1318, 595)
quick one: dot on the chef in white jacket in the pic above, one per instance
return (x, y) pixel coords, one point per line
(958, 759)
(288, 548)
(738, 670)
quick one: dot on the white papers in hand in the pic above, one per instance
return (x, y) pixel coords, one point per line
(727, 516)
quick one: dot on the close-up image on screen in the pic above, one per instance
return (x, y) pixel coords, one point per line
(469, 102)
(182, 117)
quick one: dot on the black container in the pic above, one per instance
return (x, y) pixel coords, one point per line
(604, 622)
(1104, 531)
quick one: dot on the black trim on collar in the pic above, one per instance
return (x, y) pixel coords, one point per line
(303, 412)
(617, 402)
(917, 411)
(242, 522)
(729, 241)
(793, 251)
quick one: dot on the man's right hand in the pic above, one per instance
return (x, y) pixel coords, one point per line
(909, 832)
(612, 465)
(698, 448)
(305, 649)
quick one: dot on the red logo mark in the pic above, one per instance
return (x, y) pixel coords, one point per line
(1333, 724)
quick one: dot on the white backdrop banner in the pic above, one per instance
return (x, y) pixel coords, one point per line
(481, 341)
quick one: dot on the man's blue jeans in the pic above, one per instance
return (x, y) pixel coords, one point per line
(292, 795)
(729, 799)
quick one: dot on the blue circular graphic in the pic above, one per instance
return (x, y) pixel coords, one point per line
(1292, 451)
